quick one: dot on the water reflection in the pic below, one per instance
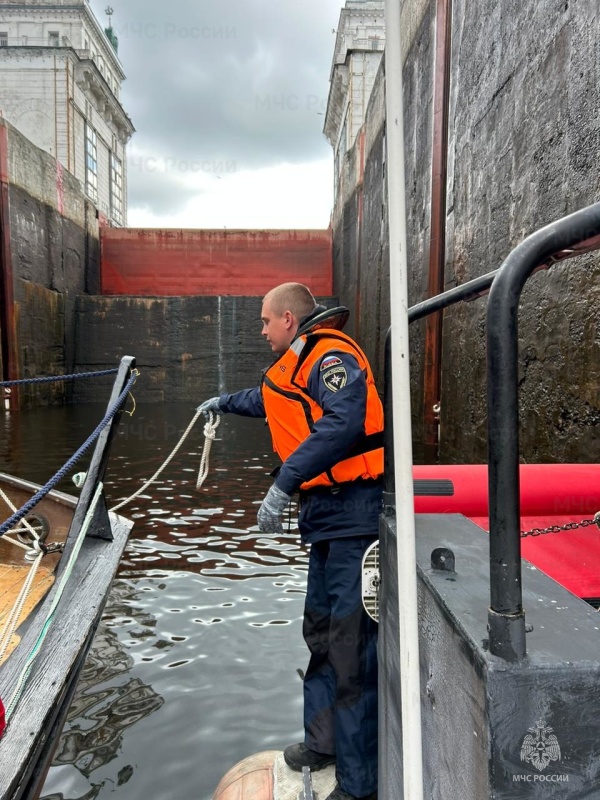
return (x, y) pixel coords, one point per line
(196, 664)
(108, 699)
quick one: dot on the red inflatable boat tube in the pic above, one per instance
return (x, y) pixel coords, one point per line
(546, 489)
(551, 495)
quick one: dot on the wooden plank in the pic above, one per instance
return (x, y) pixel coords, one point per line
(12, 579)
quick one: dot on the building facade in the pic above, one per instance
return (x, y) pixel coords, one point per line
(359, 46)
(60, 85)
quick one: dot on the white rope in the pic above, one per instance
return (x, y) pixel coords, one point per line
(210, 432)
(12, 621)
(16, 542)
(26, 529)
(207, 445)
(57, 595)
(24, 522)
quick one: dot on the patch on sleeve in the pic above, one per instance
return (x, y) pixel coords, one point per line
(330, 361)
(335, 379)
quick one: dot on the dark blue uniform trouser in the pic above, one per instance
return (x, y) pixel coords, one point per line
(340, 685)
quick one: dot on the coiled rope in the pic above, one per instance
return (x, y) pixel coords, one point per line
(210, 432)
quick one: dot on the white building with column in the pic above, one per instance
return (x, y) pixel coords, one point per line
(359, 47)
(60, 85)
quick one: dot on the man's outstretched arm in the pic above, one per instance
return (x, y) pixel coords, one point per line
(246, 403)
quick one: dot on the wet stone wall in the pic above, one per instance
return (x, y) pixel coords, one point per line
(54, 249)
(523, 149)
(186, 348)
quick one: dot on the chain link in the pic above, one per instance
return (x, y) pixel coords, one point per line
(569, 526)
(54, 547)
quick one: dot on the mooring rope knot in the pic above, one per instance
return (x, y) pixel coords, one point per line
(210, 429)
(210, 432)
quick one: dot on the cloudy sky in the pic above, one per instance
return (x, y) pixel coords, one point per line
(228, 100)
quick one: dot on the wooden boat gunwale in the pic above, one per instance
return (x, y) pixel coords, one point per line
(20, 483)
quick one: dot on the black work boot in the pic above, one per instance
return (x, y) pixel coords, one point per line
(297, 756)
(340, 794)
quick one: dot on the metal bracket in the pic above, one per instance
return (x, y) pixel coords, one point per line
(306, 793)
(100, 527)
(442, 559)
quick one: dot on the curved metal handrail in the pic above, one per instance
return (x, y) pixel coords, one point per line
(567, 238)
(570, 236)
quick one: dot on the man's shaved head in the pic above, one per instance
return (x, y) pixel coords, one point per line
(294, 297)
(283, 309)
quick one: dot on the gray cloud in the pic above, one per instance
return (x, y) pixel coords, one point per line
(157, 187)
(229, 85)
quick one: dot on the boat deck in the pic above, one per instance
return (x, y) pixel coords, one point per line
(12, 578)
(288, 785)
(55, 512)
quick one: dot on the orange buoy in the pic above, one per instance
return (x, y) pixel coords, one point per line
(251, 779)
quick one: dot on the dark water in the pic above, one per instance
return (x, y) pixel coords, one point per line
(194, 666)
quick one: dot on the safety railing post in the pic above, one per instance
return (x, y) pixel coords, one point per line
(506, 617)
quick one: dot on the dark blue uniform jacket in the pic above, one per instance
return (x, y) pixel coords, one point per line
(353, 508)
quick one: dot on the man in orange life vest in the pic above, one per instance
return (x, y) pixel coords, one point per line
(326, 421)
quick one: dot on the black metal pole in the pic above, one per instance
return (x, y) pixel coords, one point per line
(506, 618)
(467, 291)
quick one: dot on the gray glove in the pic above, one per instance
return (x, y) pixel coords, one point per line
(271, 509)
(210, 406)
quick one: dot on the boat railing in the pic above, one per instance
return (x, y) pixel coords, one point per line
(572, 235)
(567, 238)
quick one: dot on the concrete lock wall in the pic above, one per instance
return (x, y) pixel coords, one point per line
(51, 257)
(213, 262)
(522, 148)
(186, 348)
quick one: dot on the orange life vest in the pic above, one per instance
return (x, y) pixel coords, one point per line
(291, 413)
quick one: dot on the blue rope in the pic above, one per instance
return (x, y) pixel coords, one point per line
(66, 468)
(56, 378)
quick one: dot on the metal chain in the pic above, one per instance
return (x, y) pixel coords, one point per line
(568, 526)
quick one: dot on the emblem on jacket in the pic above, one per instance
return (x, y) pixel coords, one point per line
(540, 746)
(330, 361)
(335, 378)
